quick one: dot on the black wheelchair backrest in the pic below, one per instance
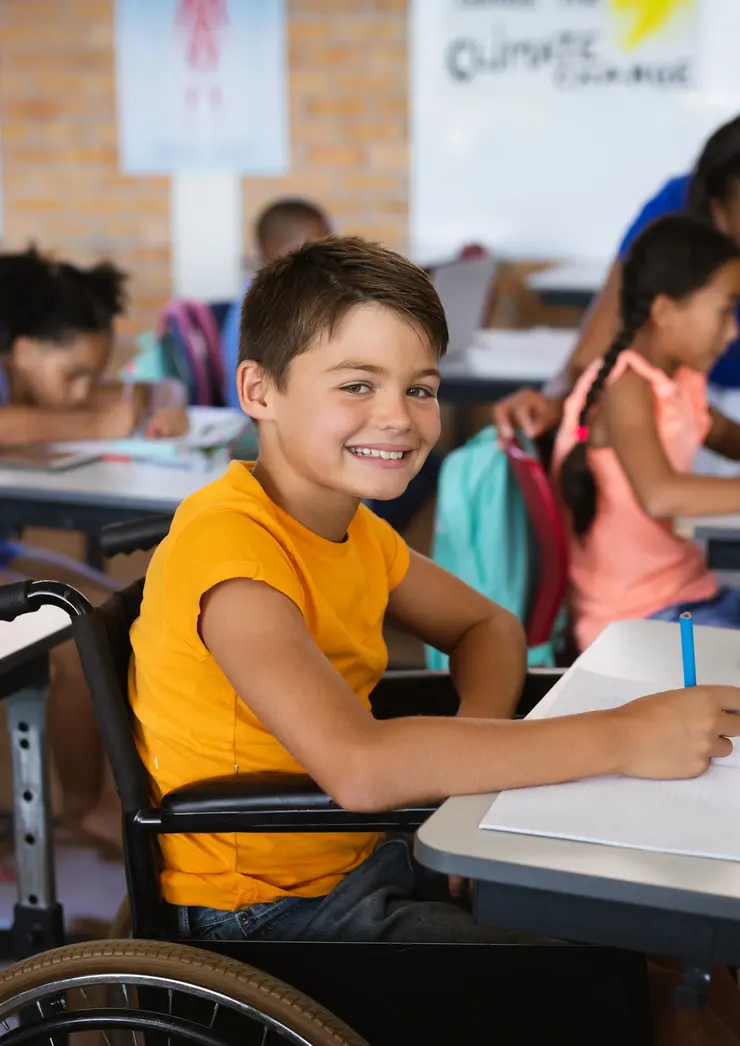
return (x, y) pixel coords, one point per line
(104, 645)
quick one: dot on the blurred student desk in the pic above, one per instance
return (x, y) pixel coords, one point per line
(721, 534)
(90, 496)
(498, 363)
(655, 903)
(569, 285)
(501, 361)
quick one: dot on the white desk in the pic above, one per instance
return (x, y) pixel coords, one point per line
(150, 488)
(520, 356)
(569, 284)
(89, 497)
(499, 362)
(24, 648)
(705, 528)
(650, 902)
(721, 535)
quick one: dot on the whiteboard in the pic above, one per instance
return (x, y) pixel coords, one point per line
(540, 127)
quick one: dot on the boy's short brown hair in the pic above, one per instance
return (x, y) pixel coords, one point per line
(296, 299)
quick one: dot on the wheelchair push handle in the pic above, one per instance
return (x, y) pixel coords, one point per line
(136, 536)
(14, 600)
(24, 597)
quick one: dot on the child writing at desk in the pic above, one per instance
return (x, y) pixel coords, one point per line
(56, 339)
(632, 427)
(260, 637)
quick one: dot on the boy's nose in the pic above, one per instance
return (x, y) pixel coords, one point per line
(394, 415)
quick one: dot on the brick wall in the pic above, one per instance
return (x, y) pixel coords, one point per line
(348, 116)
(61, 182)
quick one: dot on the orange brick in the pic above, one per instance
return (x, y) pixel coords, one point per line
(366, 84)
(336, 156)
(370, 181)
(302, 31)
(334, 106)
(38, 204)
(32, 109)
(388, 131)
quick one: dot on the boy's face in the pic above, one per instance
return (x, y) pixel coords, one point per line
(359, 411)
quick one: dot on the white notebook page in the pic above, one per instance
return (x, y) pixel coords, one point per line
(698, 817)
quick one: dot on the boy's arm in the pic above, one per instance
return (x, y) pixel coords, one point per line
(260, 641)
(628, 414)
(488, 653)
(724, 436)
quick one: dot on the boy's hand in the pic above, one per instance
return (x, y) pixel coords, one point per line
(676, 734)
(168, 423)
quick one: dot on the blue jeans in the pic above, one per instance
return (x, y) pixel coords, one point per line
(390, 897)
(723, 611)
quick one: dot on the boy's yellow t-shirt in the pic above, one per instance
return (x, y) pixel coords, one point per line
(191, 724)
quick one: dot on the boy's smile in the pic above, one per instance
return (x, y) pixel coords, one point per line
(382, 455)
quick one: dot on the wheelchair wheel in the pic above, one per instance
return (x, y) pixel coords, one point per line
(159, 993)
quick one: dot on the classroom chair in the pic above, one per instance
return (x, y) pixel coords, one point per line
(309, 993)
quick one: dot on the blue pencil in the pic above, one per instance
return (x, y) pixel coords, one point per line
(687, 649)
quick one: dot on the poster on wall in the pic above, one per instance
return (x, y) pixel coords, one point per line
(202, 86)
(540, 127)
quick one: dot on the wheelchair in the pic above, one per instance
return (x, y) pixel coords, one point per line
(208, 993)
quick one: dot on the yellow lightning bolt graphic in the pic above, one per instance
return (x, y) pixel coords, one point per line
(646, 17)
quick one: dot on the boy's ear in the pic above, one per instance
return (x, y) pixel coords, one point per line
(252, 384)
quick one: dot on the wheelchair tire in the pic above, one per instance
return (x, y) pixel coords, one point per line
(95, 968)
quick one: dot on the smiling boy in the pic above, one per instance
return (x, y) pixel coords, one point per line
(260, 636)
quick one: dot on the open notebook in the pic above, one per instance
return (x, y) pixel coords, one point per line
(210, 428)
(699, 817)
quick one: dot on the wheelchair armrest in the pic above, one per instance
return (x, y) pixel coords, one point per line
(137, 535)
(268, 802)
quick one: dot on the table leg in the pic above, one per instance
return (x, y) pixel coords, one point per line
(38, 923)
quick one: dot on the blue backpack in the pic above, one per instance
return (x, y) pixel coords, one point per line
(483, 534)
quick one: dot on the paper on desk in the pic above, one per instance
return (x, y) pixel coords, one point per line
(536, 354)
(210, 427)
(697, 817)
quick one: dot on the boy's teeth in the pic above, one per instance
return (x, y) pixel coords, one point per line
(366, 452)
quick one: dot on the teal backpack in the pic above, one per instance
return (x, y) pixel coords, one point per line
(483, 534)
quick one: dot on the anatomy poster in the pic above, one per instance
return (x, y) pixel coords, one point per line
(202, 86)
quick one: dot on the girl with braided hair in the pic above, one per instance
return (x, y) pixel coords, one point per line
(631, 430)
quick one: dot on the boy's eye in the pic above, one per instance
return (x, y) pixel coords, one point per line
(357, 388)
(421, 392)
